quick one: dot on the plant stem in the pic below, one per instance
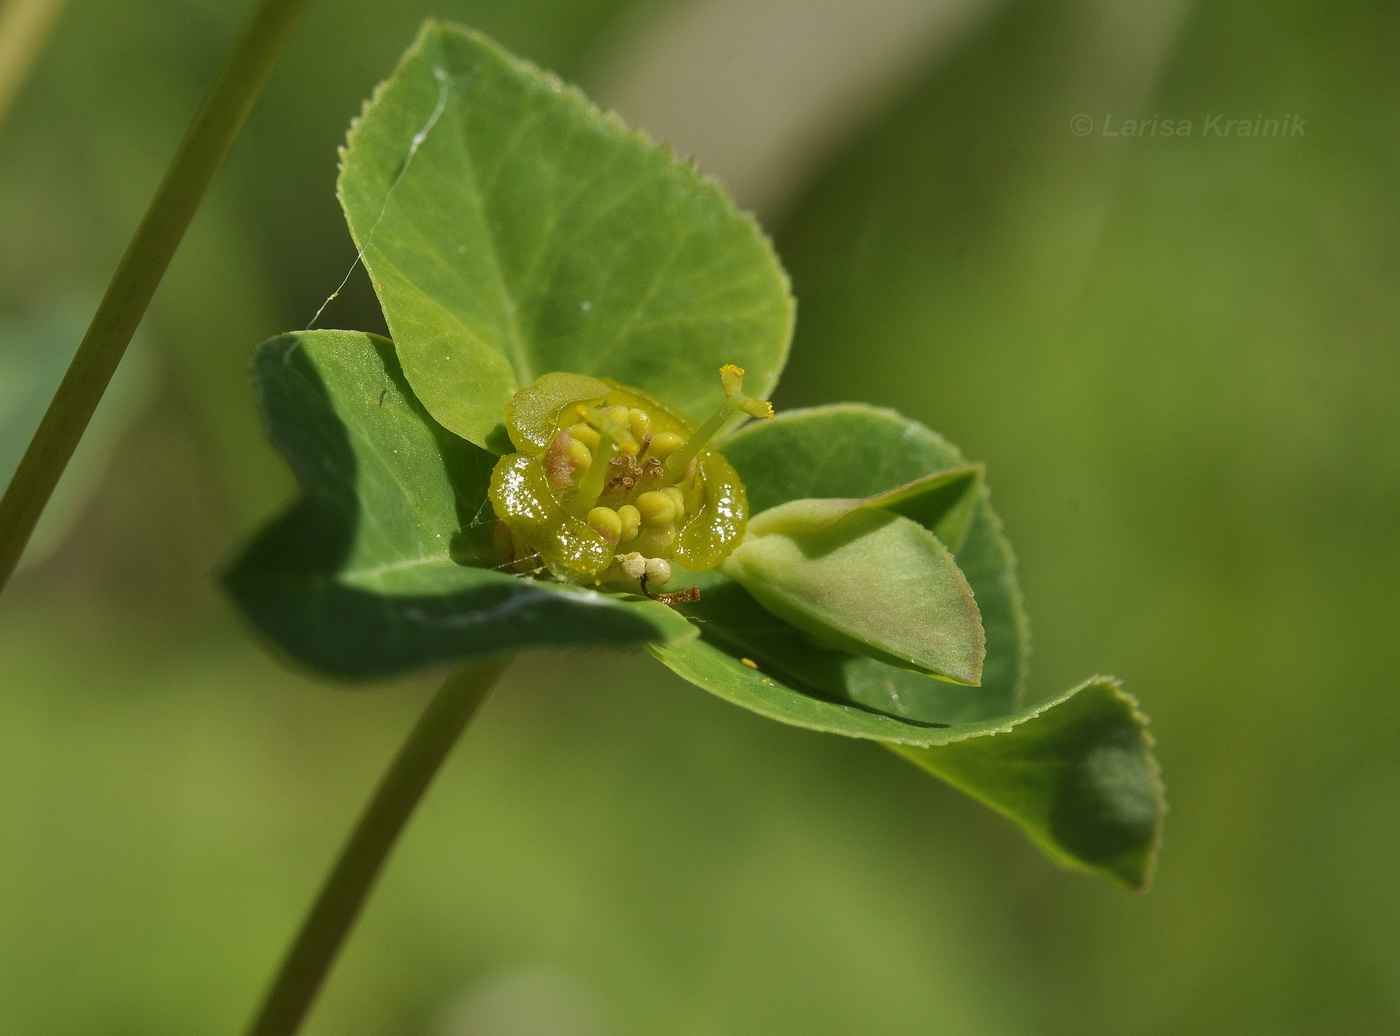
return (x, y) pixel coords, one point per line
(210, 137)
(344, 893)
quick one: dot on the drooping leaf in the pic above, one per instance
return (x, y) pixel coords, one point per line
(862, 580)
(1076, 774)
(512, 229)
(853, 450)
(384, 563)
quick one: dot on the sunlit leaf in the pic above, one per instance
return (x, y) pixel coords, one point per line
(374, 570)
(512, 229)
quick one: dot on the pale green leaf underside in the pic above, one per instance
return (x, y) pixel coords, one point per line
(512, 229)
(865, 581)
(853, 450)
(372, 571)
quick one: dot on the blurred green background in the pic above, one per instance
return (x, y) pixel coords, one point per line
(1178, 356)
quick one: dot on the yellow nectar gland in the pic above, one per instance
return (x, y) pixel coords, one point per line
(612, 485)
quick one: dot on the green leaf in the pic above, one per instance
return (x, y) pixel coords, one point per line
(852, 450)
(863, 580)
(512, 229)
(1076, 774)
(372, 570)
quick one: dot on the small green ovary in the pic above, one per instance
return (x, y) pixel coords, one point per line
(612, 485)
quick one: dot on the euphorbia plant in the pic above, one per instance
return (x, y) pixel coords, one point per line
(567, 442)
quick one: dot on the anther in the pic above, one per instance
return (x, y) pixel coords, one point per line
(677, 498)
(663, 444)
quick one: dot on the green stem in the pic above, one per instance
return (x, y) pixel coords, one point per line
(344, 893)
(210, 136)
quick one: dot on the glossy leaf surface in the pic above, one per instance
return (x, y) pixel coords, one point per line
(512, 229)
(374, 569)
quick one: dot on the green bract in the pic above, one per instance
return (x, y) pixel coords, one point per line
(552, 432)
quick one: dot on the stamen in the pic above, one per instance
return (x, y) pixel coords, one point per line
(666, 443)
(656, 508)
(687, 596)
